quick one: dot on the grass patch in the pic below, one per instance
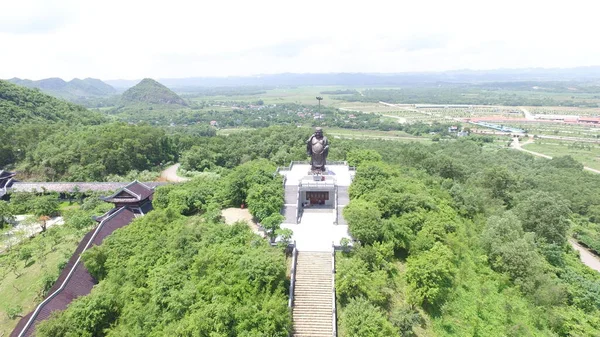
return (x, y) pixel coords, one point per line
(66, 206)
(22, 284)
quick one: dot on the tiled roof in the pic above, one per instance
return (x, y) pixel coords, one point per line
(71, 187)
(6, 174)
(141, 189)
(74, 280)
(146, 207)
(130, 193)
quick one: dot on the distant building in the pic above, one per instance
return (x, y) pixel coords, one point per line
(214, 123)
(453, 128)
(591, 120)
(571, 118)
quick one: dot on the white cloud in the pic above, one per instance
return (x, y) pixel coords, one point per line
(134, 39)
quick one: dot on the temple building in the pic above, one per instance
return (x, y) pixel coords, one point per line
(136, 196)
(131, 201)
(6, 181)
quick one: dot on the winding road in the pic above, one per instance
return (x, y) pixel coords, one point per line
(170, 174)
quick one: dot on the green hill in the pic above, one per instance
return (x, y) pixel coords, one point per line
(24, 105)
(72, 90)
(150, 92)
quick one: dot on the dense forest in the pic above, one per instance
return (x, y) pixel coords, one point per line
(452, 239)
(22, 105)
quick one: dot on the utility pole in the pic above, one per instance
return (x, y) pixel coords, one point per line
(319, 98)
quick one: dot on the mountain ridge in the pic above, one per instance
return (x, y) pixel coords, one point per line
(19, 104)
(76, 88)
(150, 92)
(364, 78)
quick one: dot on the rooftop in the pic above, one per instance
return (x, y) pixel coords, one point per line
(66, 187)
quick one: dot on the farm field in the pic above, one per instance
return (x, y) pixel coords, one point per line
(299, 95)
(555, 110)
(586, 153)
(374, 134)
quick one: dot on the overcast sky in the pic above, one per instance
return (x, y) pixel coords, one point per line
(121, 39)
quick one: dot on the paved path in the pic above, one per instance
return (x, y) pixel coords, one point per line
(527, 114)
(170, 174)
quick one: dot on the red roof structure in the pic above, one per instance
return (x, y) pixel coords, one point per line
(74, 281)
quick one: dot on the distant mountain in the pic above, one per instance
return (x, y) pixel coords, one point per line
(24, 105)
(397, 79)
(148, 92)
(72, 90)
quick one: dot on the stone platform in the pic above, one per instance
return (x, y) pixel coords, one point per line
(319, 225)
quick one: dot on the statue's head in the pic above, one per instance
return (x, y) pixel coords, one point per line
(319, 132)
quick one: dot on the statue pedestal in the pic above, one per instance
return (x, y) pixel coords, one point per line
(318, 173)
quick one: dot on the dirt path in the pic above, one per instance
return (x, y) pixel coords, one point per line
(170, 174)
(527, 114)
(232, 215)
(588, 258)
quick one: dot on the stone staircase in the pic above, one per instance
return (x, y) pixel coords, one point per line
(291, 204)
(313, 295)
(343, 200)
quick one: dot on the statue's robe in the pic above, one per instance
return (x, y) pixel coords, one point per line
(317, 149)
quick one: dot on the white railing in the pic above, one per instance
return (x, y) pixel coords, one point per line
(316, 184)
(293, 276)
(298, 208)
(335, 207)
(333, 316)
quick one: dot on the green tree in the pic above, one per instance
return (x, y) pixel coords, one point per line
(356, 157)
(44, 207)
(265, 200)
(362, 319)
(6, 214)
(272, 223)
(364, 220)
(547, 215)
(430, 275)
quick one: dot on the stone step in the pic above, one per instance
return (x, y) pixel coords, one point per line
(317, 287)
(313, 303)
(313, 332)
(307, 311)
